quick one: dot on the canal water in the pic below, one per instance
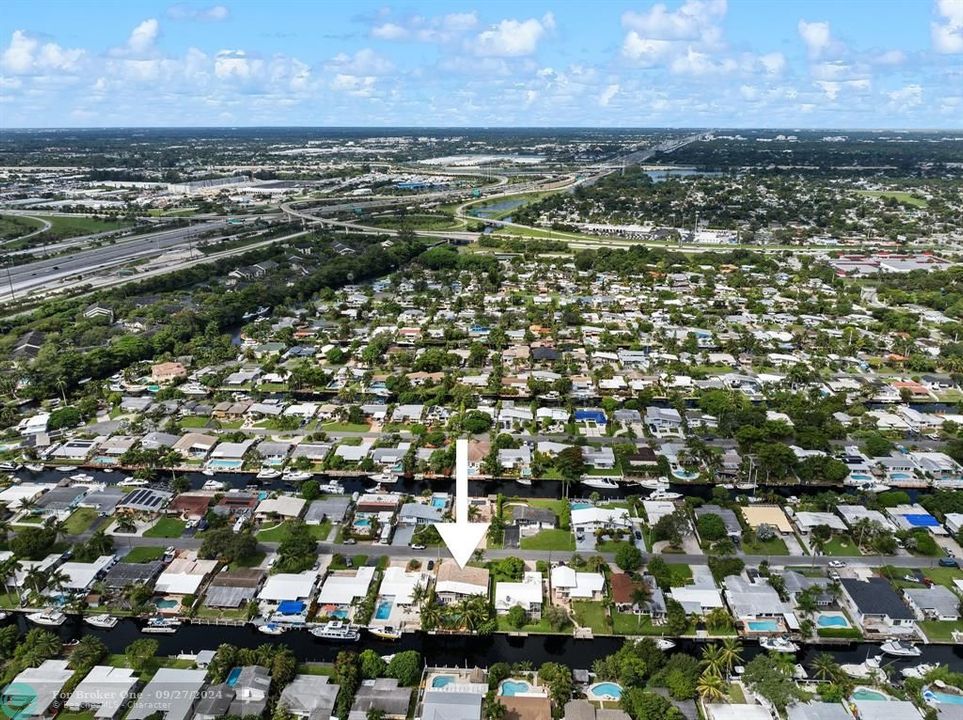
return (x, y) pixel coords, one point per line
(450, 650)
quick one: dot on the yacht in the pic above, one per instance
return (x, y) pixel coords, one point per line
(745, 486)
(268, 474)
(877, 487)
(661, 494)
(67, 468)
(82, 478)
(385, 477)
(778, 644)
(900, 648)
(208, 472)
(664, 644)
(918, 671)
(47, 617)
(213, 485)
(333, 488)
(600, 483)
(336, 631)
(385, 633)
(133, 482)
(101, 621)
(295, 476)
(270, 628)
(107, 471)
(34, 467)
(161, 625)
(9, 466)
(653, 484)
(526, 481)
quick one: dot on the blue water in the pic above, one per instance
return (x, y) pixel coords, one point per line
(867, 694)
(225, 464)
(383, 612)
(439, 502)
(165, 604)
(497, 208)
(510, 688)
(942, 697)
(862, 477)
(232, 676)
(763, 625)
(606, 690)
(442, 681)
(900, 476)
(832, 621)
(581, 505)
(105, 460)
(362, 522)
(340, 613)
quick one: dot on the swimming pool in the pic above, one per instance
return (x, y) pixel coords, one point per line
(942, 698)
(510, 688)
(605, 691)
(105, 460)
(826, 620)
(383, 611)
(684, 474)
(233, 676)
(165, 604)
(861, 477)
(865, 693)
(439, 502)
(440, 681)
(225, 464)
(763, 625)
(900, 476)
(580, 505)
(362, 522)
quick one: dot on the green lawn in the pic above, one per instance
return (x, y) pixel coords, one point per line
(80, 520)
(345, 427)
(79, 715)
(939, 575)
(166, 528)
(251, 562)
(316, 669)
(940, 631)
(143, 554)
(775, 546)
(277, 533)
(841, 545)
(736, 695)
(632, 624)
(196, 421)
(550, 540)
(591, 614)
(681, 574)
(61, 227)
(898, 195)
(541, 626)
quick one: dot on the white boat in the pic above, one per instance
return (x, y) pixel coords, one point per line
(294, 476)
(333, 488)
(900, 648)
(208, 472)
(82, 478)
(270, 628)
(162, 625)
(67, 468)
(9, 466)
(745, 486)
(384, 478)
(875, 487)
(918, 671)
(268, 474)
(778, 644)
(107, 471)
(34, 467)
(600, 483)
(385, 633)
(336, 631)
(213, 485)
(101, 621)
(727, 486)
(47, 617)
(4, 614)
(133, 482)
(653, 484)
(526, 481)
(664, 644)
(664, 495)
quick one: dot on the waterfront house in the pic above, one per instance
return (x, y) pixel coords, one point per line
(184, 575)
(251, 687)
(171, 693)
(876, 606)
(526, 594)
(568, 584)
(283, 506)
(105, 690)
(35, 690)
(145, 500)
(454, 584)
(382, 694)
(309, 697)
(195, 446)
(749, 599)
(233, 588)
(342, 588)
(933, 603)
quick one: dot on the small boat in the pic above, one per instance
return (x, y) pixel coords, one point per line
(208, 472)
(654, 484)
(34, 467)
(385, 477)
(600, 483)
(67, 468)
(778, 644)
(133, 482)
(162, 625)
(107, 471)
(913, 579)
(873, 487)
(50, 618)
(664, 495)
(333, 488)
(900, 648)
(745, 486)
(918, 671)
(4, 615)
(213, 485)
(294, 476)
(526, 481)
(336, 631)
(385, 633)
(268, 474)
(727, 486)
(9, 466)
(101, 621)
(270, 628)
(664, 644)
(82, 478)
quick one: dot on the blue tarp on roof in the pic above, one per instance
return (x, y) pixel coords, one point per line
(291, 607)
(923, 520)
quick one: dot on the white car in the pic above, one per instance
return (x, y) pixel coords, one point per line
(837, 564)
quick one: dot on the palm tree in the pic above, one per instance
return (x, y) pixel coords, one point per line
(9, 568)
(731, 651)
(826, 668)
(711, 687)
(35, 578)
(57, 580)
(712, 660)
(431, 613)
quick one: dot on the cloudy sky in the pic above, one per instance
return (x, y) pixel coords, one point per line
(741, 63)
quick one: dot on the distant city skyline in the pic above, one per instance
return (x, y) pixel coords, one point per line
(697, 63)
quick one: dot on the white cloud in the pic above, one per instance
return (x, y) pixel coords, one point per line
(142, 37)
(26, 55)
(512, 38)
(363, 62)
(608, 94)
(214, 13)
(698, 64)
(817, 37)
(947, 33)
(695, 20)
(440, 29)
(907, 96)
(236, 64)
(646, 51)
(890, 57)
(773, 63)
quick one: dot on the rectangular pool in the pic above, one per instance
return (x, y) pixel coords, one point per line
(383, 611)
(225, 464)
(763, 625)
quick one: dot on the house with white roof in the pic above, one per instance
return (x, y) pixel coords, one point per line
(81, 575)
(590, 519)
(34, 691)
(526, 594)
(567, 583)
(400, 585)
(344, 587)
(105, 689)
(288, 586)
(184, 575)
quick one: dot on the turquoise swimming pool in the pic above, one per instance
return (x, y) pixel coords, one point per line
(233, 676)
(763, 625)
(865, 693)
(605, 691)
(441, 681)
(383, 611)
(942, 698)
(580, 505)
(439, 502)
(224, 464)
(362, 522)
(510, 688)
(900, 476)
(166, 604)
(832, 621)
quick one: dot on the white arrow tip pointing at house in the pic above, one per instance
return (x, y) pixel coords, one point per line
(461, 536)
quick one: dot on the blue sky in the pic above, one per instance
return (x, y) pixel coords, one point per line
(741, 63)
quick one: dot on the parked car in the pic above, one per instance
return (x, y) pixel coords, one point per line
(836, 564)
(949, 562)
(417, 547)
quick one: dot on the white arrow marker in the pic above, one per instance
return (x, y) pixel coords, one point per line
(461, 536)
